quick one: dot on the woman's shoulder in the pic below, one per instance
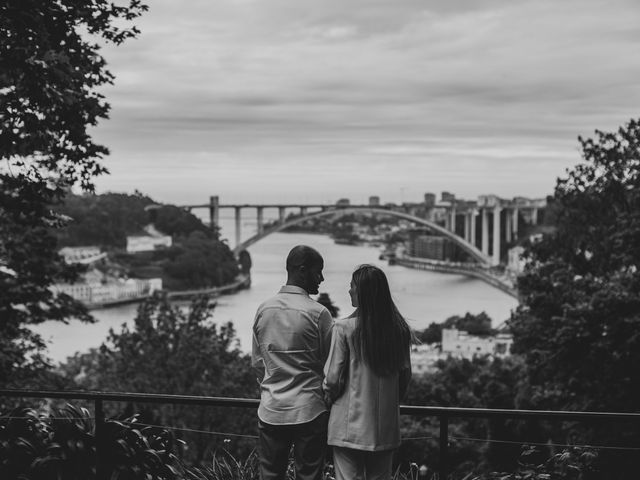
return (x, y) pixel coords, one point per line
(347, 324)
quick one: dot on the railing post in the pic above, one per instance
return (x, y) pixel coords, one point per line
(444, 447)
(99, 437)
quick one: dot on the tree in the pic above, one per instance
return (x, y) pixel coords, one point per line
(431, 334)
(325, 300)
(172, 351)
(479, 324)
(201, 263)
(49, 75)
(578, 323)
(478, 383)
(103, 220)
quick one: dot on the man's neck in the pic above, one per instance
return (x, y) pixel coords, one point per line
(294, 283)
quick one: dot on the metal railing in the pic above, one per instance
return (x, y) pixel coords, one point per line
(442, 413)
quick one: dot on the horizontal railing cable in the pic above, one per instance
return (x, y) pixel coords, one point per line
(419, 410)
(46, 417)
(192, 430)
(443, 413)
(545, 444)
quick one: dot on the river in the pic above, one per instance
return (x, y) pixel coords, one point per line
(422, 297)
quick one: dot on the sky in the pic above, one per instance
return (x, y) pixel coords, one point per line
(289, 101)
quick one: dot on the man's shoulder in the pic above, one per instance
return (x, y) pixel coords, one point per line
(294, 302)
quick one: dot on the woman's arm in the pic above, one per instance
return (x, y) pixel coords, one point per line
(405, 374)
(336, 365)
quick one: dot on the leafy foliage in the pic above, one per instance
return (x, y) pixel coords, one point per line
(197, 259)
(63, 445)
(49, 76)
(103, 220)
(173, 351)
(478, 383)
(325, 300)
(570, 464)
(479, 324)
(579, 322)
(107, 219)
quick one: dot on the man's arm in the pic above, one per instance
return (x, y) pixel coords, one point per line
(325, 326)
(257, 361)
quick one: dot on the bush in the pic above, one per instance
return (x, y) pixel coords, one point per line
(572, 463)
(63, 445)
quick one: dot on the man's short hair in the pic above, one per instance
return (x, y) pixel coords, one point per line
(303, 255)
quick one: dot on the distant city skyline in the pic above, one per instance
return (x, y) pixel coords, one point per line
(296, 101)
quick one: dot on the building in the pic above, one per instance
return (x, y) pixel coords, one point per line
(149, 242)
(448, 197)
(343, 202)
(95, 294)
(84, 255)
(432, 247)
(489, 201)
(374, 201)
(424, 357)
(457, 343)
(515, 262)
(429, 200)
(146, 243)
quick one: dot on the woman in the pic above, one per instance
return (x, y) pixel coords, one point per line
(366, 375)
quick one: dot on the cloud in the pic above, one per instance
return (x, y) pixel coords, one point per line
(462, 86)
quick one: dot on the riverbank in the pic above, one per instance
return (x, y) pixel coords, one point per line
(503, 283)
(423, 297)
(242, 281)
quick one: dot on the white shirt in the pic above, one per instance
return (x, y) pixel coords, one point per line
(291, 340)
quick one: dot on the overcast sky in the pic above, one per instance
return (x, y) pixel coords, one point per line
(298, 100)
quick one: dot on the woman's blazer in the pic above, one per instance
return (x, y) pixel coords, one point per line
(366, 407)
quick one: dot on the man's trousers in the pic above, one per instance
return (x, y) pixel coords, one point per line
(309, 442)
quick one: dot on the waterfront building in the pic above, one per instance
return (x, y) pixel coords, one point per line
(515, 262)
(96, 293)
(430, 246)
(149, 242)
(83, 255)
(460, 344)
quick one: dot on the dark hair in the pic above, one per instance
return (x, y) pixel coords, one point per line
(303, 255)
(382, 337)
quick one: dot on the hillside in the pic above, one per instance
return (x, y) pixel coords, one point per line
(196, 259)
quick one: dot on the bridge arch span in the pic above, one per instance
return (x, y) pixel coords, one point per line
(474, 252)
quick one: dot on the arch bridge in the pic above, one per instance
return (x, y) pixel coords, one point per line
(483, 265)
(472, 250)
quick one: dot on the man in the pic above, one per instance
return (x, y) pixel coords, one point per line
(291, 340)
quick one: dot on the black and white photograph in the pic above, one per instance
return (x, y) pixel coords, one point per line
(319, 240)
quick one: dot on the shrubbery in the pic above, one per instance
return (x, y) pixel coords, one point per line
(62, 445)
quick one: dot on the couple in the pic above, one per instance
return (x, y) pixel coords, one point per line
(324, 382)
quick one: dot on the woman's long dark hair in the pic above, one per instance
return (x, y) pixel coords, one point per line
(382, 337)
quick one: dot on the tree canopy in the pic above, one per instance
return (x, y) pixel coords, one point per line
(579, 322)
(478, 324)
(50, 72)
(578, 325)
(173, 350)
